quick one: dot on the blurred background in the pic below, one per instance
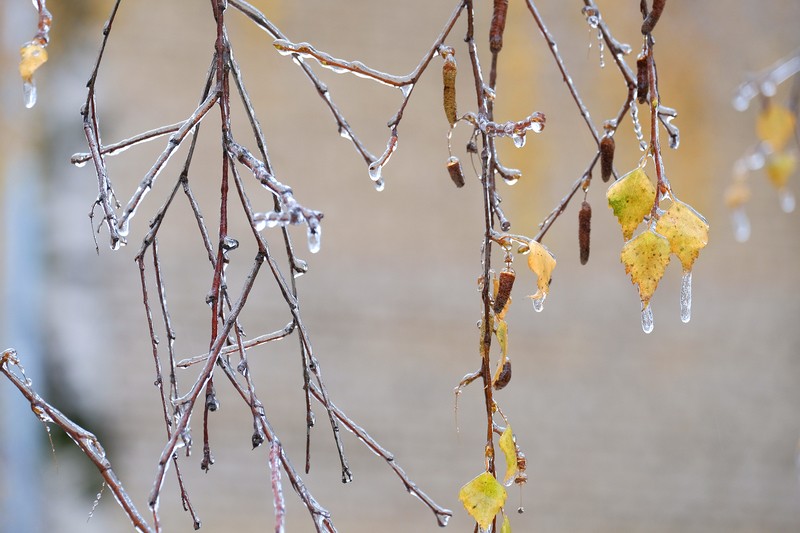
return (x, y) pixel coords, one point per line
(693, 428)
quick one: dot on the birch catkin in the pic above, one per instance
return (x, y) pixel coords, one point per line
(498, 25)
(584, 229)
(449, 70)
(607, 146)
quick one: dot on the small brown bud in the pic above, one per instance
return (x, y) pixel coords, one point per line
(504, 377)
(642, 79)
(607, 146)
(584, 229)
(454, 168)
(504, 286)
(498, 25)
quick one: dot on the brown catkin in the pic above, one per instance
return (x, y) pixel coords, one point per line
(449, 70)
(504, 377)
(454, 168)
(498, 25)
(505, 283)
(584, 229)
(642, 79)
(607, 146)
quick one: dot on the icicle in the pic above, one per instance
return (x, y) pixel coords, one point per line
(29, 93)
(787, 200)
(314, 231)
(647, 317)
(686, 296)
(538, 303)
(741, 225)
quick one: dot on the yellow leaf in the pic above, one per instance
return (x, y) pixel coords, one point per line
(645, 258)
(737, 194)
(483, 497)
(510, 452)
(686, 230)
(542, 263)
(32, 56)
(780, 165)
(775, 126)
(502, 337)
(631, 198)
(506, 527)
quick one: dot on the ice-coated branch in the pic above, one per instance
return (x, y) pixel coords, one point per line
(84, 439)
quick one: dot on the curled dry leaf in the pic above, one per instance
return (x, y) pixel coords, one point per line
(32, 56)
(509, 449)
(542, 263)
(631, 198)
(775, 126)
(686, 230)
(483, 497)
(646, 258)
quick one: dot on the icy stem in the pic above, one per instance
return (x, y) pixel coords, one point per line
(647, 317)
(686, 296)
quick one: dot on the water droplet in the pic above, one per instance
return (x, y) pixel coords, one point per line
(686, 297)
(375, 171)
(29, 93)
(379, 185)
(260, 221)
(80, 164)
(741, 103)
(511, 179)
(768, 88)
(229, 243)
(787, 200)
(442, 519)
(647, 318)
(741, 225)
(538, 303)
(313, 233)
(273, 219)
(344, 134)
(406, 89)
(124, 229)
(537, 127)
(756, 160)
(519, 140)
(675, 140)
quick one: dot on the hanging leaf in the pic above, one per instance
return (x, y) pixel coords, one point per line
(686, 230)
(542, 263)
(32, 56)
(506, 527)
(645, 258)
(775, 126)
(502, 337)
(737, 194)
(483, 497)
(780, 165)
(631, 198)
(510, 452)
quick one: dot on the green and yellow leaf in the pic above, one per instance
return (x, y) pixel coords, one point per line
(483, 497)
(646, 258)
(686, 230)
(631, 198)
(506, 527)
(510, 452)
(775, 126)
(542, 263)
(502, 338)
(780, 165)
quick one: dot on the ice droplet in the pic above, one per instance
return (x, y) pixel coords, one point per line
(511, 179)
(787, 200)
(686, 296)
(314, 231)
(375, 171)
(756, 160)
(538, 303)
(406, 89)
(344, 134)
(519, 140)
(29, 93)
(647, 317)
(442, 519)
(741, 102)
(260, 221)
(741, 225)
(768, 88)
(379, 185)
